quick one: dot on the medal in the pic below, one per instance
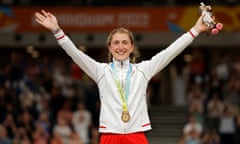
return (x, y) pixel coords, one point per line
(125, 116)
(123, 94)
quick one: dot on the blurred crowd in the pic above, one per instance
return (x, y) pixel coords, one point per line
(213, 99)
(50, 100)
(46, 100)
(113, 2)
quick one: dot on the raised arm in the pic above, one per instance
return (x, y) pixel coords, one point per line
(163, 58)
(86, 63)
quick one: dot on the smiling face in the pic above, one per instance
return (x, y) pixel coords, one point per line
(120, 44)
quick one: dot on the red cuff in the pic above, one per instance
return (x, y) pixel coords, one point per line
(190, 32)
(193, 32)
(58, 38)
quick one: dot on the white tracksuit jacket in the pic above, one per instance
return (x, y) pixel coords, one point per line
(111, 103)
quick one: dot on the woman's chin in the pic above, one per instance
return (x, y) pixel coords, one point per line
(120, 58)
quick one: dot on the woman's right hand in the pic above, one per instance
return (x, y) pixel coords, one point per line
(47, 20)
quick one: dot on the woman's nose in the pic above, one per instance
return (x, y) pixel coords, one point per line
(121, 46)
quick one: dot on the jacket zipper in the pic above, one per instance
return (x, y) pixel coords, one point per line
(122, 79)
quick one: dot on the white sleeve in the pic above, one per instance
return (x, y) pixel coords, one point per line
(86, 63)
(164, 57)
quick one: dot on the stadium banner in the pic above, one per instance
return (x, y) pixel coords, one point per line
(104, 19)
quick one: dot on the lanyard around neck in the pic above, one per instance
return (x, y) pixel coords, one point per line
(124, 96)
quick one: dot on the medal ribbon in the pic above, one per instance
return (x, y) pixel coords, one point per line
(124, 96)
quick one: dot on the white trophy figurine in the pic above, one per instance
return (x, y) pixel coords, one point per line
(208, 19)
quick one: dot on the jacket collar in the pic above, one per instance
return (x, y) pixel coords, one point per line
(123, 65)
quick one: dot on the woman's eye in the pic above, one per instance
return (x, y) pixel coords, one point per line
(125, 42)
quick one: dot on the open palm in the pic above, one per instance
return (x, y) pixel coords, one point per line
(47, 20)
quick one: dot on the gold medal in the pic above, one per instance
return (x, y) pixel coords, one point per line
(125, 116)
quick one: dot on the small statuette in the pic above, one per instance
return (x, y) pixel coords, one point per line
(209, 19)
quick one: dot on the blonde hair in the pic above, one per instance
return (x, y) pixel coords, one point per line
(134, 54)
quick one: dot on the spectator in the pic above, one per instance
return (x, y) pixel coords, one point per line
(63, 130)
(195, 93)
(197, 67)
(43, 122)
(214, 111)
(26, 124)
(227, 127)
(40, 135)
(81, 122)
(66, 111)
(192, 128)
(232, 95)
(196, 108)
